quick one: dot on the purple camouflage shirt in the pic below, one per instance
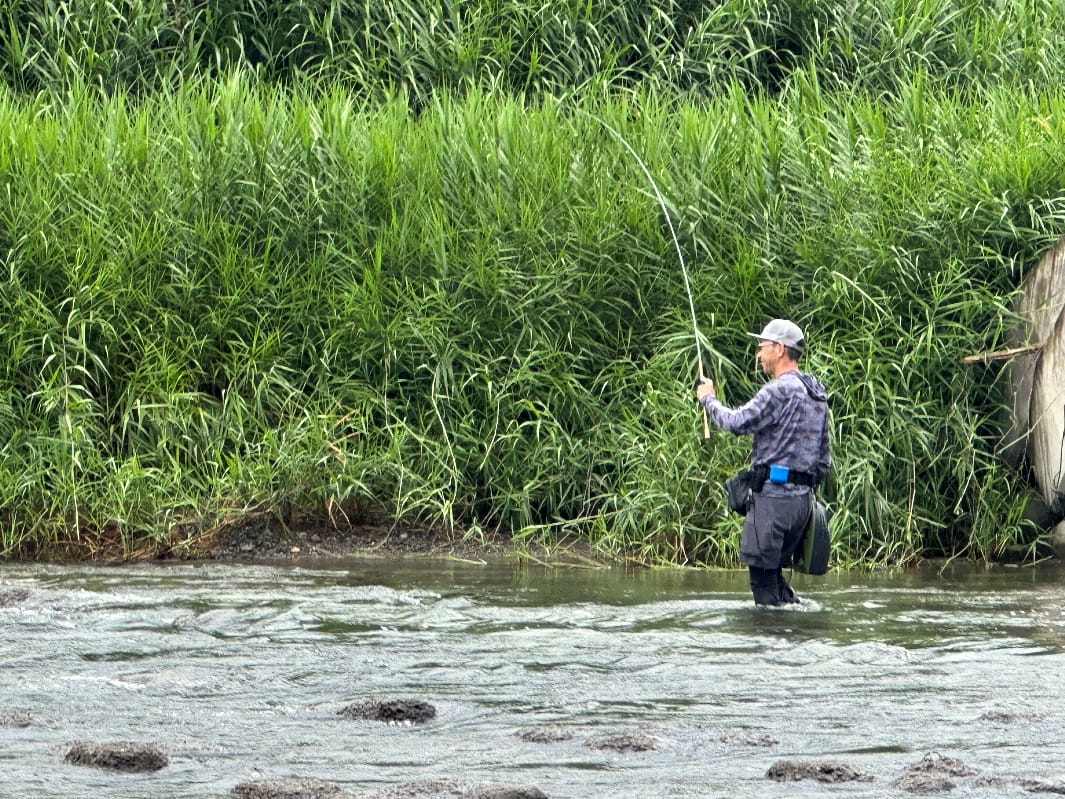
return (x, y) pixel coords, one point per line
(789, 420)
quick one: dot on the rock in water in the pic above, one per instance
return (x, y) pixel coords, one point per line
(545, 735)
(120, 756)
(289, 788)
(820, 770)
(637, 742)
(413, 711)
(12, 596)
(502, 791)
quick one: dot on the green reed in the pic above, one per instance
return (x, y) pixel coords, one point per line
(237, 299)
(420, 48)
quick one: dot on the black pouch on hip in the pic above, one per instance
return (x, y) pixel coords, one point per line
(739, 488)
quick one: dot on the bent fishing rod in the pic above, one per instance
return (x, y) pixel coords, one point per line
(676, 244)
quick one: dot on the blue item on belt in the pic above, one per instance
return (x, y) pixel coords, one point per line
(778, 473)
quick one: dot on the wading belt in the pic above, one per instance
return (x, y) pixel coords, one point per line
(761, 475)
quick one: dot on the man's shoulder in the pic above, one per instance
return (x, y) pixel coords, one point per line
(794, 381)
(786, 382)
(775, 391)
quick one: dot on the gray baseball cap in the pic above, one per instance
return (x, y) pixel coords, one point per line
(782, 331)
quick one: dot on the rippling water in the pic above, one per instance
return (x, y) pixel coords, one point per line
(238, 672)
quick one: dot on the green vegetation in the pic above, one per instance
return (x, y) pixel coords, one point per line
(259, 257)
(421, 47)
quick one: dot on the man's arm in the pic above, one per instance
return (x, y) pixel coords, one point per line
(749, 418)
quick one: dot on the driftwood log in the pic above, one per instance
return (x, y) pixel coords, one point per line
(1036, 438)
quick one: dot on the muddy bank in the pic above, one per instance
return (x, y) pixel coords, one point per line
(314, 538)
(269, 538)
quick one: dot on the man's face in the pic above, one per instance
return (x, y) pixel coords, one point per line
(769, 353)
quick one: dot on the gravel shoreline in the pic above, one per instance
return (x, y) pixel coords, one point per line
(314, 538)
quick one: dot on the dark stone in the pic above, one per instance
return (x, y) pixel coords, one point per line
(747, 738)
(414, 711)
(14, 718)
(998, 717)
(1006, 717)
(1042, 786)
(820, 770)
(423, 789)
(932, 774)
(289, 788)
(545, 735)
(625, 743)
(935, 763)
(502, 791)
(120, 756)
(924, 782)
(994, 783)
(13, 596)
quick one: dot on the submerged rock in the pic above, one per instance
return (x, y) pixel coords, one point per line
(413, 711)
(820, 770)
(625, 743)
(935, 763)
(932, 774)
(451, 789)
(289, 788)
(119, 756)
(14, 718)
(1032, 785)
(921, 782)
(423, 789)
(1042, 786)
(1007, 717)
(747, 738)
(545, 735)
(13, 596)
(504, 791)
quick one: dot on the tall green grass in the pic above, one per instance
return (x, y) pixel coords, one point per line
(419, 48)
(234, 298)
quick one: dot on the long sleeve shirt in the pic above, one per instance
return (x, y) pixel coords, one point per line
(788, 418)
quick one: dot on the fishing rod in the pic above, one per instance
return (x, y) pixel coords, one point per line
(676, 243)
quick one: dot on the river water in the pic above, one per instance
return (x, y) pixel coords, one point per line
(238, 672)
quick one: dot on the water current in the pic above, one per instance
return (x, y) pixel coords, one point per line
(237, 672)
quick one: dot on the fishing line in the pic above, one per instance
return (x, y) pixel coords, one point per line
(676, 243)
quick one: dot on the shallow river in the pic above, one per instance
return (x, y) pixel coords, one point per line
(238, 674)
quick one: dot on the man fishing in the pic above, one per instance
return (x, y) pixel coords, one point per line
(789, 456)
